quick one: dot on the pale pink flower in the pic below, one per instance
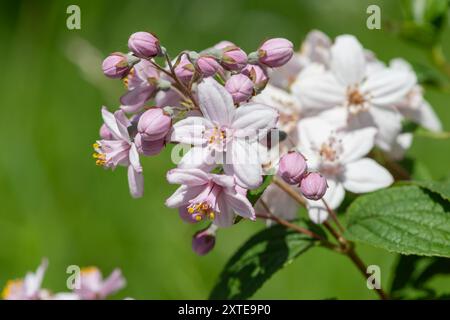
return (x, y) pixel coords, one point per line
(92, 286)
(28, 288)
(358, 94)
(225, 132)
(121, 151)
(141, 83)
(209, 196)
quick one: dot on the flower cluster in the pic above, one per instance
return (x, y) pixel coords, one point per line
(88, 285)
(323, 110)
(337, 102)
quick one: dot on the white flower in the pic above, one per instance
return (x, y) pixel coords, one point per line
(28, 288)
(225, 134)
(356, 92)
(339, 156)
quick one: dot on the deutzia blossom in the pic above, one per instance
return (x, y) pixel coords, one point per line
(209, 196)
(120, 151)
(358, 93)
(28, 288)
(92, 286)
(340, 157)
(225, 133)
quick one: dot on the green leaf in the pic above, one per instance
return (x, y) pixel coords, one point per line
(259, 258)
(442, 188)
(424, 20)
(254, 195)
(406, 219)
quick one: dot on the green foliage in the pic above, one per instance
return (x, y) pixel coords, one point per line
(413, 275)
(259, 258)
(254, 195)
(406, 219)
(442, 188)
(424, 20)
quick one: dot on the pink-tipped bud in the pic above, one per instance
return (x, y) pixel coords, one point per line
(233, 58)
(257, 74)
(240, 87)
(154, 124)
(292, 167)
(275, 52)
(208, 66)
(116, 65)
(203, 241)
(223, 44)
(149, 148)
(313, 186)
(185, 69)
(105, 133)
(144, 45)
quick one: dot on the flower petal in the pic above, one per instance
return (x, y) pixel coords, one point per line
(388, 86)
(365, 175)
(245, 164)
(135, 182)
(134, 158)
(198, 157)
(190, 130)
(133, 100)
(334, 196)
(215, 102)
(111, 123)
(389, 124)
(225, 217)
(190, 177)
(239, 203)
(316, 88)
(347, 60)
(183, 195)
(254, 117)
(357, 144)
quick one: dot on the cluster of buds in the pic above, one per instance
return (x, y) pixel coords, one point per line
(162, 103)
(293, 169)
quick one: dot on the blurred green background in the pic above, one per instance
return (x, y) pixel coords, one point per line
(56, 203)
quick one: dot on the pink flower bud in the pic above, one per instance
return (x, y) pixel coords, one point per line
(275, 52)
(105, 133)
(223, 44)
(154, 124)
(149, 148)
(233, 58)
(240, 87)
(208, 66)
(257, 74)
(292, 167)
(116, 65)
(313, 186)
(203, 242)
(144, 44)
(184, 70)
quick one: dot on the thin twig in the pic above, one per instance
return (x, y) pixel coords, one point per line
(333, 215)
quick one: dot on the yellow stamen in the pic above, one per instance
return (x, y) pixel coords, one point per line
(9, 287)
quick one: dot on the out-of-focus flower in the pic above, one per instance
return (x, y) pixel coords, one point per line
(209, 196)
(116, 65)
(92, 286)
(144, 44)
(203, 241)
(313, 186)
(292, 167)
(275, 52)
(28, 288)
(339, 157)
(240, 87)
(120, 151)
(356, 94)
(141, 83)
(225, 132)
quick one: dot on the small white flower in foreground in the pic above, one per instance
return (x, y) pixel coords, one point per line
(357, 93)
(93, 286)
(225, 134)
(340, 157)
(28, 288)
(209, 196)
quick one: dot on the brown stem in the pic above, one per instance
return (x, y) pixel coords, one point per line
(346, 247)
(333, 215)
